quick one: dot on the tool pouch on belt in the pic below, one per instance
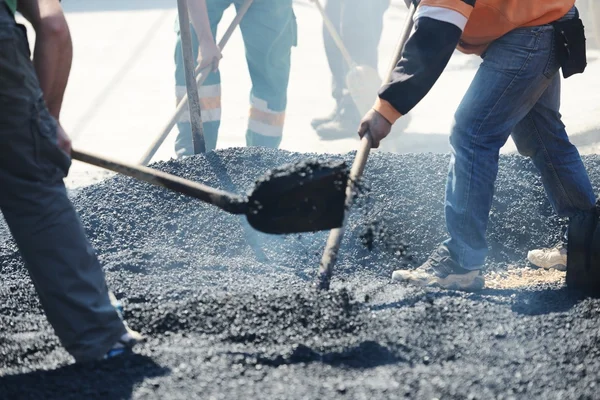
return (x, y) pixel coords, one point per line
(569, 39)
(583, 251)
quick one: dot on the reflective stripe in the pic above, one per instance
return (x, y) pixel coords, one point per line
(210, 103)
(264, 121)
(442, 14)
(264, 129)
(269, 118)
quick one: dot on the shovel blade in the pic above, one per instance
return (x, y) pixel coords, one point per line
(304, 197)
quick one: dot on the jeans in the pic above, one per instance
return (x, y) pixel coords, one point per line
(516, 92)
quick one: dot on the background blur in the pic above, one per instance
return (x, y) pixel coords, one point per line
(121, 90)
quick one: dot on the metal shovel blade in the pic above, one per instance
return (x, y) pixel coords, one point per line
(307, 196)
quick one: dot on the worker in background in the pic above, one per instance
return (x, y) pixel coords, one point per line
(34, 159)
(269, 32)
(359, 23)
(516, 91)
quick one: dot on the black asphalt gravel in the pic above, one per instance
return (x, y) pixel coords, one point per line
(230, 312)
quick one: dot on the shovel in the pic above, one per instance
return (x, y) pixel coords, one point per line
(335, 236)
(307, 196)
(362, 81)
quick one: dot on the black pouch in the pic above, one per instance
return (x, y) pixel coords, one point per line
(569, 39)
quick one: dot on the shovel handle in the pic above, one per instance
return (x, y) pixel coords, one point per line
(334, 240)
(201, 75)
(226, 201)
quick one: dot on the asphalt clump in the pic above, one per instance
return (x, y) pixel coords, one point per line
(230, 312)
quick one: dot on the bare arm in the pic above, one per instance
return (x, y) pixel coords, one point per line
(208, 52)
(53, 52)
(199, 19)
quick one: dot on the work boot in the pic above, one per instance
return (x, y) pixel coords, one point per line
(551, 258)
(440, 270)
(345, 123)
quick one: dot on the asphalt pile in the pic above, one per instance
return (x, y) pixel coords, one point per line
(230, 312)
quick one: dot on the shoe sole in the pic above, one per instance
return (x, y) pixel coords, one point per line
(470, 282)
(559, 267)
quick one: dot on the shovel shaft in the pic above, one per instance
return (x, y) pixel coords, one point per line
(334, 240)
(192, 88)
(226, 201)
(201, 75)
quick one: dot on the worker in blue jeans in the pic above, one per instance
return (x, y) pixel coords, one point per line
(269, 31)
(516, 92)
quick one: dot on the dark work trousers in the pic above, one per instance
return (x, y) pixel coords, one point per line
(33, 199)
(359, 23)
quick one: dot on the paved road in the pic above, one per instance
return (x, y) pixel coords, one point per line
(121, 89)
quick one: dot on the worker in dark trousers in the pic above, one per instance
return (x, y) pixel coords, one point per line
(269, 31)
(34, 159)
(359, 24)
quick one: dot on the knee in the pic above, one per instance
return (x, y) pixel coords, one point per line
(461, 136)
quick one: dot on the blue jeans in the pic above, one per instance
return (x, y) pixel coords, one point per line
(516, 91)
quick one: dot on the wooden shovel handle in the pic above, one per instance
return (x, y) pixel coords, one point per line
(334, 240)
(226, 201)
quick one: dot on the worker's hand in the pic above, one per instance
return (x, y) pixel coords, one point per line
(63, 140)
(376, 125)
(209, 54)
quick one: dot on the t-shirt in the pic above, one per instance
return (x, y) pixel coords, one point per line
(12, 4)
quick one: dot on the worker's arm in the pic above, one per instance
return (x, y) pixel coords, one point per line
(208, 51)
(438, 27)
(52, 55)
(53, 52)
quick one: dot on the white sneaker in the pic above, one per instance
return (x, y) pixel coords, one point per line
(553, 258)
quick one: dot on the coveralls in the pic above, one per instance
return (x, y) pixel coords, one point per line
(269, 32)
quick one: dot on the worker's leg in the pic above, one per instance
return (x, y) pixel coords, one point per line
(43, 222)
(541, 135)
(269, 31)
(333, 10)
(508, 84)
(362, 45)
(209, 93)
